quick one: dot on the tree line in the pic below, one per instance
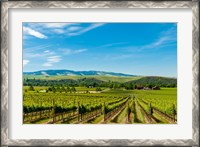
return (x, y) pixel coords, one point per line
(92, 82)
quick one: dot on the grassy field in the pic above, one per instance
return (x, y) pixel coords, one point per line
(163, 93)
(103, 78)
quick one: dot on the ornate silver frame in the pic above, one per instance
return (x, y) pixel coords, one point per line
(5, 141)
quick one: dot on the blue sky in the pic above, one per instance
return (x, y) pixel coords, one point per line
(132, 48)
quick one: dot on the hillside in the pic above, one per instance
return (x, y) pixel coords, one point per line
(155, 81)
(95, 78)
(102, 78)
(94, 81)
(75, 73)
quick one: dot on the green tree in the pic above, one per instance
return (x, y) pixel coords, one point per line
(31, 88)
(73, 89)
(98, 89)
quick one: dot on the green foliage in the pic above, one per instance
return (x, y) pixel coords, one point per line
(98, 77)
(89, 108)
(31, 88)
(98, 89)
(62, 102)
(95, 82)
(115, 104)
(155, 81)
(129, 86)
(73, 89)
(164, 100)
(61, 109)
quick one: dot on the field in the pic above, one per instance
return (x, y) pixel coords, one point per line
(103, 78)
(107, 106)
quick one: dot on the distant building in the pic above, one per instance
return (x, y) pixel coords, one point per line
(156, 88)
(147, 88)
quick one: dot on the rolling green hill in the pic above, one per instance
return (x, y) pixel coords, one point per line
(102, 78)
(99, 81)
(155, 81)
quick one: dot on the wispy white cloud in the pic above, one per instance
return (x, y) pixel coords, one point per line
(40, 51)
(171, 31)
(25, 62)
(49, 25)
(73, 28)
(51, 60)
(119, 57)
(35, 52)
(112, 44)
(29, 31)
(36, 48)
(58, 31)
(47, 64)
(68, 29)
(166, 38)
(32, 55)
(54, 59)
(47, 51)
(70, 51)
(158, 43)
(55, 25)
(113, 57)
(49, 28)
(86, 29)
(80, 51)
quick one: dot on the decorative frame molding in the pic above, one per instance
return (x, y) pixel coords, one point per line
(5, 6)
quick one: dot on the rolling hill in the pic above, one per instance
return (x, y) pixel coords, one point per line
(155, 81)
(75, 73)
(69, 77)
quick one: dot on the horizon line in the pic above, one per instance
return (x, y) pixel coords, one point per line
(107, 71)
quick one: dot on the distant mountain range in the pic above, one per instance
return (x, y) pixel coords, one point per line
(75, 73)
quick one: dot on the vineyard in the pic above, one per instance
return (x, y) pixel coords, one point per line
(116, 106)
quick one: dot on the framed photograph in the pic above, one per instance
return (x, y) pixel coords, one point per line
(99, 73)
